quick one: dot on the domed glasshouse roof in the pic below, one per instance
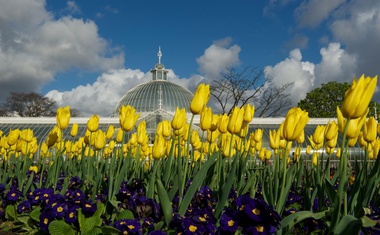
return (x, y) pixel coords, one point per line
(158, 94)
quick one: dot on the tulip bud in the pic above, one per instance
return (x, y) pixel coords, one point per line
(206, 119)
(159, 147)
(358, 96)
(63, 117)
(249, 112)
(274, 139)
(141, 132)
(331, 130)
(258, 135)
(318, 134)
(370, 130)
(200, 99)
(27, 135)
(110, 131)
(179, 118)
(119, 135)
(74, 130)
(235, 122)
(13, 136)
(223, 123)
(99, 140)
(294, 123)
(93, 123)
(127, 117)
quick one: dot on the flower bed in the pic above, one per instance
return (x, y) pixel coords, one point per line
(220, 182)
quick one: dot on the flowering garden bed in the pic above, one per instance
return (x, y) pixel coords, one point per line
(220, 182)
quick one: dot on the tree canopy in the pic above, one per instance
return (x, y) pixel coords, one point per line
(322, 101)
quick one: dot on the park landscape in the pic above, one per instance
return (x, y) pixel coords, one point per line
(219, 180)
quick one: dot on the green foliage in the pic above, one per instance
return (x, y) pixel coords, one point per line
(322, 101)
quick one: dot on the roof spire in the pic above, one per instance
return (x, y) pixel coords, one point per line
(159, 54)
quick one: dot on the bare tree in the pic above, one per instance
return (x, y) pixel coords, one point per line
(231, 89)
(238, 88)
(30, 105)
(273, 101)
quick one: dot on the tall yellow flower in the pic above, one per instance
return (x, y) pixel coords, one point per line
(99, 140)
(355, 126)
(13, 136)
(318, 135)
(127, 117)
(63, 117)
(294, 123)
(74, 130)
(179, 118)
(141, 132)
(27, 135)
(93, 123)
(370, 130)
(110, 131)
(331, 130)
(258, 136)
(159, 147)
(119, 135)
(200, 99)
(235, 122)
(274, 139)
(206, 119)
(249, 112)
(223, 123)
(358, 96)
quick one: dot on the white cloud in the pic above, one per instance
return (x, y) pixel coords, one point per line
(34, 46)
(293, 70)
(312, 12)
(217, 57)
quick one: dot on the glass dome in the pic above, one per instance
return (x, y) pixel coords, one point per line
(155, 95)
(158, 94)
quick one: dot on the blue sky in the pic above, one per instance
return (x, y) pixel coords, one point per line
(87, 53)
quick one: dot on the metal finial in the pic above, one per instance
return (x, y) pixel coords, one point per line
(159, 54)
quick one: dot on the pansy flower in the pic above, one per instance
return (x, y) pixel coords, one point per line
(128, 226)
(58, 210)
(191, 227)
(13, 195)
(45, 219)
(75, 182)
(228, 223)
(71, 215)
(24, 206)
(89, 208)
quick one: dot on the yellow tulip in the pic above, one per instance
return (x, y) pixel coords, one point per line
(63, 117)
(27, 135)
(119, 135)
(338, 152)
(212, 135)
(44, 150)
(294, 123)
(34, 168)
(354, 127)
(215, 121)
(308, 149)
(318, 135)
(195, 140)
(331, 130)
(99, 140)
(159, 147)
(127, 117)
(74, 130)
(258, 145)
(235, 122)
(141, 132)
(332, 143)
(179, 118)
(223, 123)
(313, 144)
(301, 138)
(206, 119)
(13, 136)
(200, 99)
(110, 131)
(370, 130)
(258, 135)
(358, 96)
(315, 158)
(352, 141)
(249, 112)
(164, 128)
(274, 139)
(93, 123)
